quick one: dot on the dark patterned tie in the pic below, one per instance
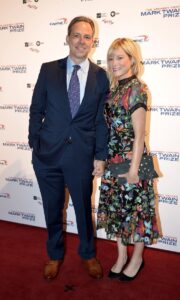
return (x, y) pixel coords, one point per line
(74, 91)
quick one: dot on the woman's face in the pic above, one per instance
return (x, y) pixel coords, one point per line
(119, 64)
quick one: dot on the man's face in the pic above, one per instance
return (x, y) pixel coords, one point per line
(80, 41)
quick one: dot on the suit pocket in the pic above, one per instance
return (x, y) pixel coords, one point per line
(36, 145)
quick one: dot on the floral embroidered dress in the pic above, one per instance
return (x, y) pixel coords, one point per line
(126, 210)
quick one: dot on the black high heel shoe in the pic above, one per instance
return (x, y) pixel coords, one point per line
(124, 277)
(114, 275)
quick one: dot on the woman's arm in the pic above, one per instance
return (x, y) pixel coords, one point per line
(138, 121)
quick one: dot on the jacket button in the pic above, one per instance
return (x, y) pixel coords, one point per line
(68, 141)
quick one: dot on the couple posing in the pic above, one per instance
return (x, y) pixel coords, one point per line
(78, 122)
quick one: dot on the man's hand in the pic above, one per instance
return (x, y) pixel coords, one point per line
(99, 166)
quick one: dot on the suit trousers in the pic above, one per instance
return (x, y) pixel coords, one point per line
(52, 181)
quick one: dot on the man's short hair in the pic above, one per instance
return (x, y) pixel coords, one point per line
(81, 19)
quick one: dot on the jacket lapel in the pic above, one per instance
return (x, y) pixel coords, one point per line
(90, 86)
(89, 89)
(63, 86)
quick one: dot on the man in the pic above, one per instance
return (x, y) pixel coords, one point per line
(69, 142)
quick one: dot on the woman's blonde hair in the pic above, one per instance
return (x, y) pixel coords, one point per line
(132, 49)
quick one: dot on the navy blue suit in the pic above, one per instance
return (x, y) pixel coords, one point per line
(64, 150)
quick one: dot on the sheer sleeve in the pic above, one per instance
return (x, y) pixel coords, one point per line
(138, 98)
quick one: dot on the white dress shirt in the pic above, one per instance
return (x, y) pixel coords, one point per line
(82, 74)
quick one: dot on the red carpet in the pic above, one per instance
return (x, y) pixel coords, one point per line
(23, 255)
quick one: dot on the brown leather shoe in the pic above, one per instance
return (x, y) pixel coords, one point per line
(94, 268)
(51, 269)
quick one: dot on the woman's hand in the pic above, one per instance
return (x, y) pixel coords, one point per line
(130, 177)
(99, 166)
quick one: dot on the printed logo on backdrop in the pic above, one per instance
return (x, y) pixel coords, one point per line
(13, 68)
(165, 12)
(96, 43)
(23, 215)
(20, 181)
(34, 47)
(14, 27)
(17, 108)
(167, 156)
(30, 85)
(69, 223)
(5, 195)
(107, 18)
(172, 111)
(102, 63)
(141, 38)
(31, 3)
(17, 145)
(3, 162)
(2, 127)
(168, 199)
(38, 199)
(172, 62)
(60, 21)
(168, 240)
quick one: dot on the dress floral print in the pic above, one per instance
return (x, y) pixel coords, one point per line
(126, 210)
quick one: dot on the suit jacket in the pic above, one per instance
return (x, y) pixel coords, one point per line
(51, 125)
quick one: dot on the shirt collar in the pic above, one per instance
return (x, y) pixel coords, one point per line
(84, 65)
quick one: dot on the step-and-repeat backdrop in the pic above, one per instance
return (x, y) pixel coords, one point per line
(33, 32)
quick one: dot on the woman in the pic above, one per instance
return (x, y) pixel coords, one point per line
(126, 211)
